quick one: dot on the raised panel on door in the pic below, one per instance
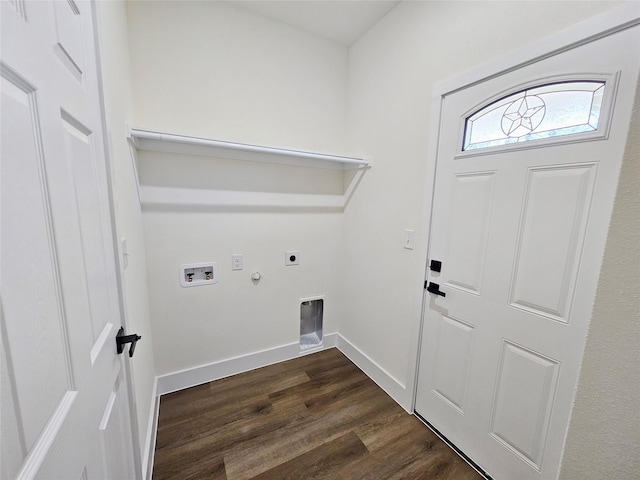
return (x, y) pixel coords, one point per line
(69, 42)
(523, 400)
(34, 323)
(552, 228)
(80, 155)
(469, 219)
(112, 451)
(452, 363)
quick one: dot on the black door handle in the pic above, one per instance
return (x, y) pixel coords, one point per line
(122, 339)
(435, 288)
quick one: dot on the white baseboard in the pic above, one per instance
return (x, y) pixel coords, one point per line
(375, 372)
(152, 430)
(172, 382)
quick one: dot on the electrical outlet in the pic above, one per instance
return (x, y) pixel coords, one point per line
(196, 274)
(237, 262)
(292, 257)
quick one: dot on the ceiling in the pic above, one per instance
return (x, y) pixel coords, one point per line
(342, 21)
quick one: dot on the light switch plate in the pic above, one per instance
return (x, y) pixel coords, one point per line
(409, 236)
(237, 261)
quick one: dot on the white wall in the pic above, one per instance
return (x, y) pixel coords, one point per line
(214, 70)
(392, 71)
(236, 316)
(118, 102)
(606, 410)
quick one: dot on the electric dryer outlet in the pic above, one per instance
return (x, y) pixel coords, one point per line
(292, 257)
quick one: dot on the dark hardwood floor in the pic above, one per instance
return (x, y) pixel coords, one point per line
(317, 416)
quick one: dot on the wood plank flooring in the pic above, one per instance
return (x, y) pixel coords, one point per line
(317, 416)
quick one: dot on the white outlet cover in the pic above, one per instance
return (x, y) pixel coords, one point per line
(237, 261)
(409, 237)
(292, 257)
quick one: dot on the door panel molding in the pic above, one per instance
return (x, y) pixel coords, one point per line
(554, 235)
(453, 366)
(42, 293)
(469, 224)
(512, 406)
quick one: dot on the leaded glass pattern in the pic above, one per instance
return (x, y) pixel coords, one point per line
(545, 111)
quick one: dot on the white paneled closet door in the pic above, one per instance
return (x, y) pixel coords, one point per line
(65, 407)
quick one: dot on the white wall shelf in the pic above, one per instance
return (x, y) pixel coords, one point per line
(168, 142)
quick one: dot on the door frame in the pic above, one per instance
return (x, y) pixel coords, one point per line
(116, 254)
(587, 31)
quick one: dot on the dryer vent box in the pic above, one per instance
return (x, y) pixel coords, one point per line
(311, 311)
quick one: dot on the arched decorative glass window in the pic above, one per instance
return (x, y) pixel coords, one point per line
(551, 110)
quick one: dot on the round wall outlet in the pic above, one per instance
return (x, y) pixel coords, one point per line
(292, 257)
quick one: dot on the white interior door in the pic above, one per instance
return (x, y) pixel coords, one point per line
(520, 229)
(65, 410)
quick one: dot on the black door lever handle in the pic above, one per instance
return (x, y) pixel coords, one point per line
(122, 339)
(435, 288)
